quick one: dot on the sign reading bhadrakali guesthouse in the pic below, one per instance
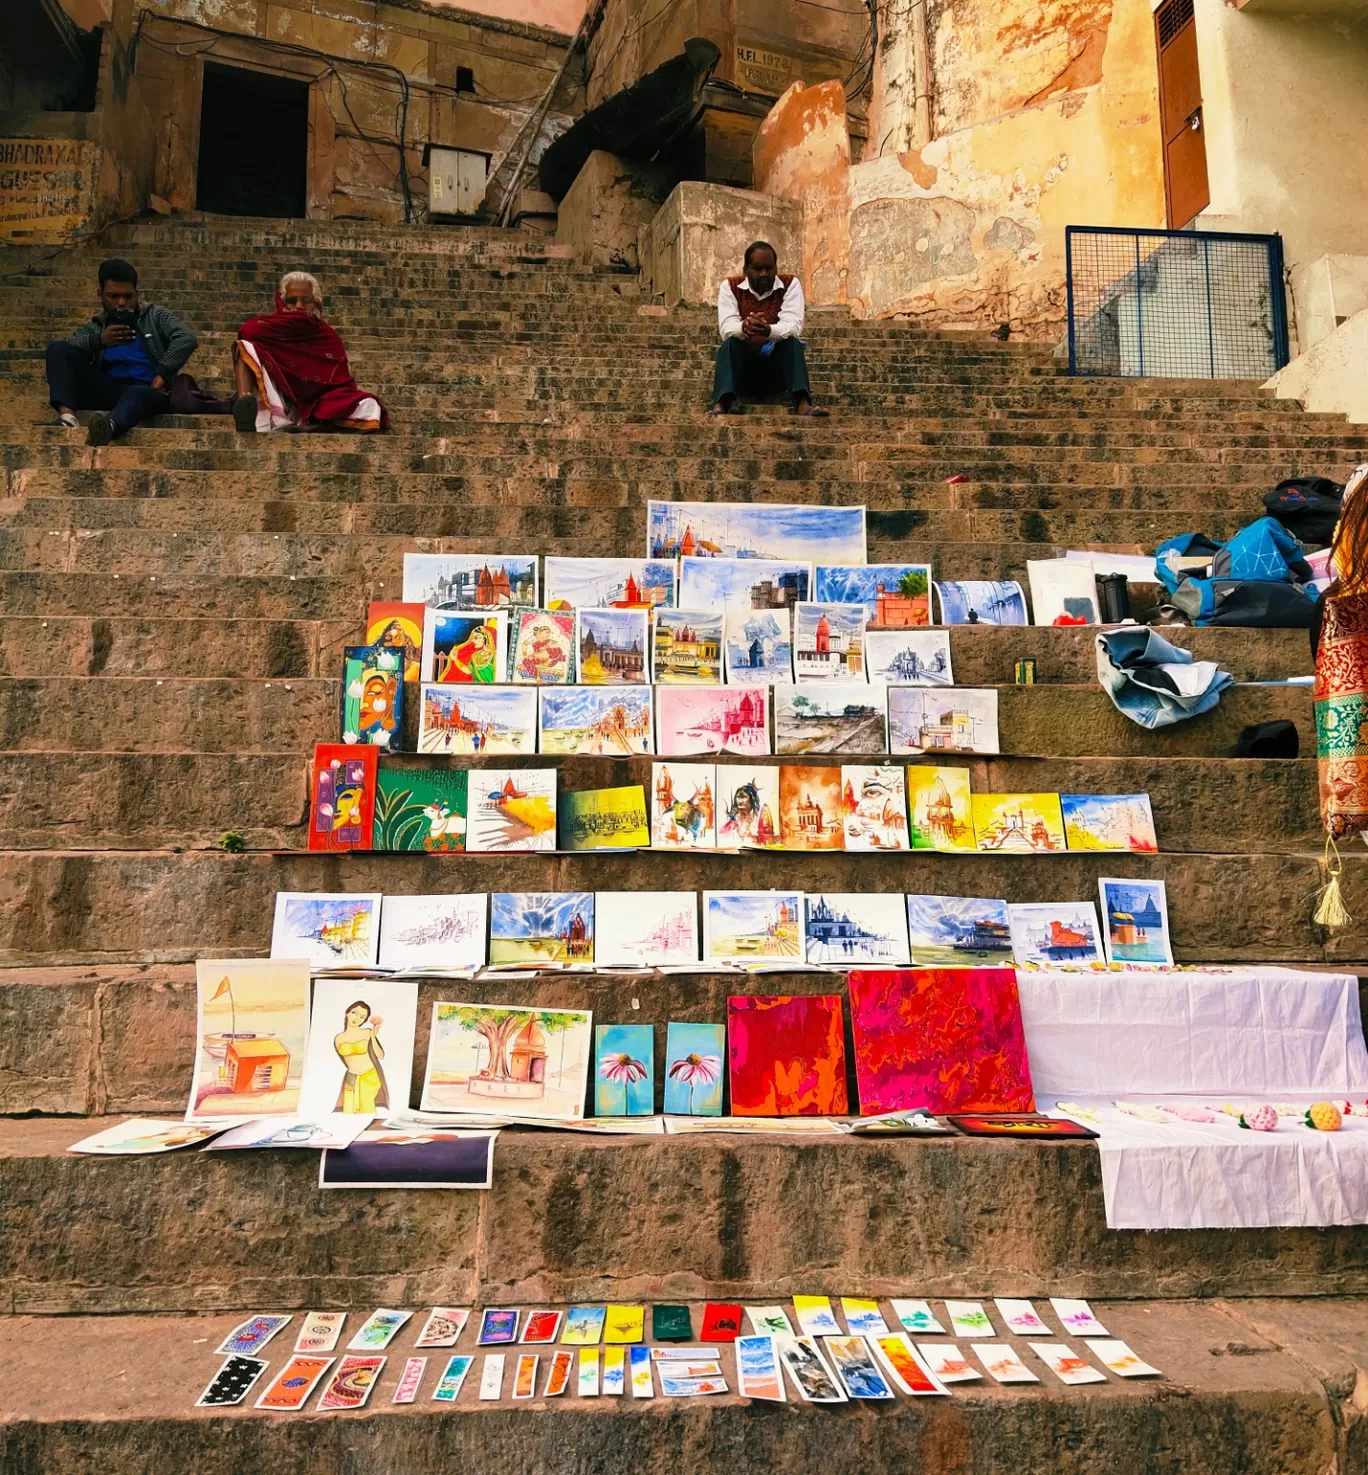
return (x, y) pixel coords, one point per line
(47, 187)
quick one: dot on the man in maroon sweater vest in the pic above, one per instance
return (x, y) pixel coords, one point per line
(759, 318)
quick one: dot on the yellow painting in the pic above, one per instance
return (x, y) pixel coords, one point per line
(940, 809)
(1022, 823)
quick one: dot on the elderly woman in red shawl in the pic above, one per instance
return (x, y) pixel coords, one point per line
(292, 371)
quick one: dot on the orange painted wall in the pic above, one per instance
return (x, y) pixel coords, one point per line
(559, 15)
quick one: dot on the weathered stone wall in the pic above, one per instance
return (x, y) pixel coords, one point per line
(603, 214)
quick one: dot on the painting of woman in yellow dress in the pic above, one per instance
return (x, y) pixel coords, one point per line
(360, 1051)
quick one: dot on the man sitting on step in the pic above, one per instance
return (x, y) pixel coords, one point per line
(122, 363)
(759, 318)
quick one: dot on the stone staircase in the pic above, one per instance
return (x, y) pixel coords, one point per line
(172, 612)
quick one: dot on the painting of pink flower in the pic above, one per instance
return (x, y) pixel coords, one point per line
(693, 1070)
(625, 1084)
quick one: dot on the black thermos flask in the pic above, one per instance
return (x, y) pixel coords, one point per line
(1113, 598)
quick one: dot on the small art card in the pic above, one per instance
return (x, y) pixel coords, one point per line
(624, 1070)
(289, 1390)
(908, 657)
(498, 1326)
(753, 927)
(917, 1317)
(543, 647)
(623, 1324)
(968, 1319)
(686, 647)
(1135, 927)
(1066, 1364)
(863, 1318)
(1060, 934)
(542, 1326)
(232, 1383)
(769, 1321)
(411, 1159)
(948, 1363)
(378, 1330)
(895, 596)
(320, 1331)
(856, 1368)
(1118, 1358)
(490, 1058)
(1076, 1317)
(940, 809)
(786, 1055)
(525, 1376)
(372, 697)
(759, 646)
(1109, 822)
(558, 1376)
(1027, 824)
(956, 719)
(360, 1055)
(342, 796)
(828, 642)
(406, 1390)
(472, 581)
(816, 1317)
(721, 1321)
(841, 718)
(757, 1369)
(464, 649)
(958, 931)
(250, 1336)
(313, 1131)
(143, 1137)
(1063, 591)
(910, 1375)
(330, 930)
(683, 806)
(748, 530)
(1003, 1364)
(849, 929)
(583, 1326)
(420, 809)
(351, 1384)
(722, 584)
(695, 1063)
(645, 929)
(541, 929)
(449, 1385)
(981, 602)
(1025, 1126)
(639, 1372)
(443, 1326)
(442, 935)
(671, 1323)
(874, 808)
(252, 1024)
(706, 720)
(811, 1376)
(587, 1378)
(811, 813)
(1020, 1317)
(604, 819)
(750, 816)
(610, 583)
(493, 720)
(612, 646)
(512, 809)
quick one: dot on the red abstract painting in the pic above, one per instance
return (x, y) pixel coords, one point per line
(786, 1056)
(342, 807)
(939, 1039)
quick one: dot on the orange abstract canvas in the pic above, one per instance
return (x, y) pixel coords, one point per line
(786, 1055)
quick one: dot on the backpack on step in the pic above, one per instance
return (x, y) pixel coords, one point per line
(1252, 580)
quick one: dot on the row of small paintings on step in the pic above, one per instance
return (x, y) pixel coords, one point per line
(586, 930)
(361, 804)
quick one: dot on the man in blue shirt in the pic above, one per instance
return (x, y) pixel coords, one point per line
(122, 363)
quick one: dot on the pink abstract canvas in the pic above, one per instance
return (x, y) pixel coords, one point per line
(939, 1039)
(786, 1056)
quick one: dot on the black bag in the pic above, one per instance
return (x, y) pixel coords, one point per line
(1268, 740)
(1255, 602)
(1308, 507)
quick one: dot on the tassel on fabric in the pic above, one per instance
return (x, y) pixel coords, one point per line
(1330, 909)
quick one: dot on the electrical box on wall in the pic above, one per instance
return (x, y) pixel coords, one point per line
(456, 181)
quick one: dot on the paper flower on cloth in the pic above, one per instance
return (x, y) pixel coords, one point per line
(1262, 1119)
(1324, 1117)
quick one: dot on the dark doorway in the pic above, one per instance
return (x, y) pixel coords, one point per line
(254, 143)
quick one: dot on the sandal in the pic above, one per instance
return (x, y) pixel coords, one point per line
(245, 413)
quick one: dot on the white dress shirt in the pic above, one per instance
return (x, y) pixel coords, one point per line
(791, 313)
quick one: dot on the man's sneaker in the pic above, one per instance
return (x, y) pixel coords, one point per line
(101, 430)
(68, 421)
(245, 413)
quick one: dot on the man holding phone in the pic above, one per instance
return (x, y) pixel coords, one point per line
(122, 363)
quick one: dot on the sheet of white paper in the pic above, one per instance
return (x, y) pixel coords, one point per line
(334, 1129)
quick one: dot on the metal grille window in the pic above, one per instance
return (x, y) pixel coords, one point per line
(1175, 304)
(1172, 17)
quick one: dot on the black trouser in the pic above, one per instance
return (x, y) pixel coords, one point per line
(743, 371)
(74, 381)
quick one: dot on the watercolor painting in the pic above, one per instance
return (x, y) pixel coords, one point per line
(645, 929)
(470, 580)
(330, 930)
(853, 928)
(1109, 822)
(908, 657)
(251, 1028)
(722, 584)
(939, 1039)
(464, 649)
(757, 1369)
(609, 583)
(958, 931)
(686, 647)
(342, 797)
(360, 1055)
(711, 719)
(1135, 922)
(624, 1070)
(931, 720)
(786, 1055)
(543, 647)
(491, 1058)
(828, 642)
(981, 602)
(811, 815)
(774, 530)
(759, 647)
(611, 646)
(512, 809)
(1055, 934)
(752, 926)
(463, 719)
(840, 718)
(435, 933)
(683, 808)
(1030, 824)
(602, 720)
(940, 809)
(420, 809)
(400, 627)
(541, 929)
(1063, 591)
(604, 819)
(695, 1056)
(895, 596)
(874, 807)
(855, 1366)
(750, 808)
(372, 697)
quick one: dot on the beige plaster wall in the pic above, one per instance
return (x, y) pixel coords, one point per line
(1333, 376)
(603, 213)
(701, 233)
